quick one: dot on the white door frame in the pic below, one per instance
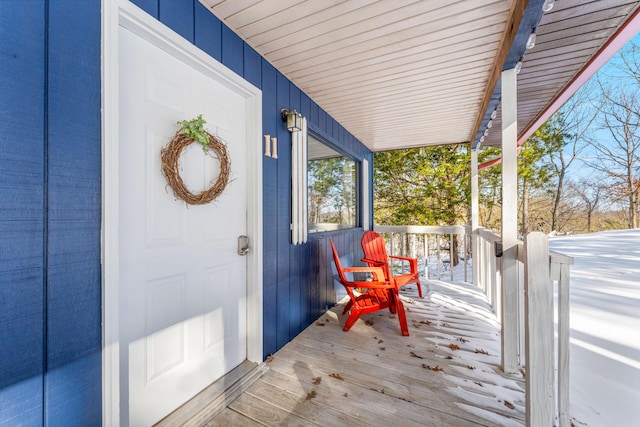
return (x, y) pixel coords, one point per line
(116, 13)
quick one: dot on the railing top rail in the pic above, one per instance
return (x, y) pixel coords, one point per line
(489, 235)
(560, 258)
(424, 229)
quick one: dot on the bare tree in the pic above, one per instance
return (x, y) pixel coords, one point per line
(571, 130)
(619, 153)
(591, 196)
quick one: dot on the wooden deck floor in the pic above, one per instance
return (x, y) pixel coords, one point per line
(445, 374)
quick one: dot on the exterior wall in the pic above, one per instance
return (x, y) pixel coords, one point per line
(50, 171)
(297, 281)
(50, 202)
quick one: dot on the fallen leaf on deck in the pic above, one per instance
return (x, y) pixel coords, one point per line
(481, 351)
(368, 322)
(462, 340)
(509, 404)
(336, 376)
(310, 395)
(426, 322)
(383, 348)
(471, 367)
(523, 372)
(269, 358)
(480, 384)
(415, 355)
(346, 395)
(454, 347)
(449, 357)
(435, 368)
(317, 380)
(446, 325)
(380, 341)
(318, 323)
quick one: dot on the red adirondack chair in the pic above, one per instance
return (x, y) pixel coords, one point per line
(375, 255)
(371, 296)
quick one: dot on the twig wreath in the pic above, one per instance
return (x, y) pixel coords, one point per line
(190, 132)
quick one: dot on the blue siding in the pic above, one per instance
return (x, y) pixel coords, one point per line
(270, 125)
(232, 50)
(149, 6)
(50, 202)
(22, 87)
(252, 66)
(179, 16)
(50, 168)
(283, 176)
(208, 32)
(73, 378)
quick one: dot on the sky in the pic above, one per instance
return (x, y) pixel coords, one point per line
(579, 169)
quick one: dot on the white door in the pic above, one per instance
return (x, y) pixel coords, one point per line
(182, 285)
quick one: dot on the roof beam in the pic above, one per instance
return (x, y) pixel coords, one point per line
(515, 16)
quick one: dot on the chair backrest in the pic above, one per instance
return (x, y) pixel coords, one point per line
(336, 260)
(373, 247)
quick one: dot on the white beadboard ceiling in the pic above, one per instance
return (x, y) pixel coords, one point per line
(398, 73)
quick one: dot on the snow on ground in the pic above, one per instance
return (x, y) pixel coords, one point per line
(605, 327)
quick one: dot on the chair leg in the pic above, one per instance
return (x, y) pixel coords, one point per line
(347, 307)
(352, 319)
(402, 316)
(419, 288)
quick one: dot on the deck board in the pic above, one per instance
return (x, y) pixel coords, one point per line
(445, 373)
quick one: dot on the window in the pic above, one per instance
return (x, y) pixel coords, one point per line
(332, 188)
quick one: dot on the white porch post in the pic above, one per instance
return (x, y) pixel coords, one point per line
(509, 223)
(475, 223)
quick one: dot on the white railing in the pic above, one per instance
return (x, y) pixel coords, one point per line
(532, 343)
(535, 343)
(437, 248)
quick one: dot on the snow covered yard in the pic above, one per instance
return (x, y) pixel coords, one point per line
(605, 327)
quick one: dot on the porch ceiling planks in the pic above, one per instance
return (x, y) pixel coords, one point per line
(412, 72)
(568, 37)
(372, 375)
(395, 74)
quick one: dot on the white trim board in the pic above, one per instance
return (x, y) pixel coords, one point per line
(122, 13)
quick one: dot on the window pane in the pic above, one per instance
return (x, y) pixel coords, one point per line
(332, 188)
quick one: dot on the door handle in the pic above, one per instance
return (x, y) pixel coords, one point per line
(243, 245)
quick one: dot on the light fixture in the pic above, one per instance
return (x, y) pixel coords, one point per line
(531, 42)
(490, 124)
(481, 139)
(293, 119)
(547, 5)
(494, 114)
(518, 67)
(486, 132)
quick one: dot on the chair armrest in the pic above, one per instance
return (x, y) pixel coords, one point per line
(372, 285)
(411, 261)
(367, 285)
(377, 272)
(373, 262)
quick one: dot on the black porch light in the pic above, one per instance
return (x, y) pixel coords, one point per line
(293, 119)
